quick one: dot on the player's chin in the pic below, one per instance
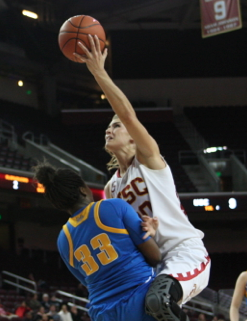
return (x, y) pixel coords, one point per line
(109, 146)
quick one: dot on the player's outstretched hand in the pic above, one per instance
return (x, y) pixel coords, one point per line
(150, 225)
(94, 58)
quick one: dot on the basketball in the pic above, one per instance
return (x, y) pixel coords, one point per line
(76, 29)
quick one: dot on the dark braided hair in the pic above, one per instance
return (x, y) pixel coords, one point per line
(61, 185)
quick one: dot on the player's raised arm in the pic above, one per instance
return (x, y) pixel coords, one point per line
(147, 148)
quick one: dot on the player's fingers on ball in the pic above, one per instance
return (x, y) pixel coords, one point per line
(97, 44)
(82, 46)
(79, 57)
(92, 43)
(87, 52)
(105, 53)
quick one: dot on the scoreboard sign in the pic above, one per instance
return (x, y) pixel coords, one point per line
(28, 184)
(226, 202)
(219, 16)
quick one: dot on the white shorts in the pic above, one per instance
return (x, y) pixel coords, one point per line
(190, 264)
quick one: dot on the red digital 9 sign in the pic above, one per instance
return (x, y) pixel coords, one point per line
(219, 16)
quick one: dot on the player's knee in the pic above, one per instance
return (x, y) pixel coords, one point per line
(162, 297)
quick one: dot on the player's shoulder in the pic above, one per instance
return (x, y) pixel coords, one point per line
(107, 189)
(112, 209)
(114, 202)
(243, 276)
(114, 205)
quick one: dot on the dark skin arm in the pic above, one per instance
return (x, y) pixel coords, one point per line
(150, 251)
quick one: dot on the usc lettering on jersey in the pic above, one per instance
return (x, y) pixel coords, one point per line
(135, 192)
(141, 187)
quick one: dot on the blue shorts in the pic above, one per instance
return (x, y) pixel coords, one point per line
(130, 307)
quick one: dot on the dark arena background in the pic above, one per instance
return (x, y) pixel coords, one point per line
(189, 91)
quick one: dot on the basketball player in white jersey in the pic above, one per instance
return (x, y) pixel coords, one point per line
(144, 180)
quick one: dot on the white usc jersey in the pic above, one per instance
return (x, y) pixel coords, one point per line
(141, 187)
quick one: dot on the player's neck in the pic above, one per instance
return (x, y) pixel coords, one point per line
(78, 207)
(124, 164)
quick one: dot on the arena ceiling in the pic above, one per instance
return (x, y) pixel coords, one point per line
(121, 14)
(38, 40)
(124, 14)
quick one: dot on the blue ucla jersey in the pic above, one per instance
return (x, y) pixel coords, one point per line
(98, 245)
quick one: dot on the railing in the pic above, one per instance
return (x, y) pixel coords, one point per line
(41, 139)
(187, 157)
(17, 284)
(34, 290)
(74, 298)
(209, 295)
(7, 132)
(219, 300)
(190, 133)
(202, 304)
(239, 174)
(38, 151)
(212, 178)
(42, 147)
(225, 299)
(240, 154)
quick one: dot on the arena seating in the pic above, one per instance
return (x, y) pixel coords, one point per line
(11, 158)
(170, 143)
(49, 266)
(53, 275)
(87, 141)
(169, 139)
(217, 125)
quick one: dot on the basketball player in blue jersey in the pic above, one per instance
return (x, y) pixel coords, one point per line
(103, 246)
(240, 293)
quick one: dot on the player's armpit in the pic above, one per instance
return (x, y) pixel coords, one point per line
(107, 190)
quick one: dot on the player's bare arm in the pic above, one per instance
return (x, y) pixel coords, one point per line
(147, 149)
(238, 296)
(150, 251)
(107, 190)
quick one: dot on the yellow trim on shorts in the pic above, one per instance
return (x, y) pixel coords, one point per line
(104, 227)
(71, 247)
